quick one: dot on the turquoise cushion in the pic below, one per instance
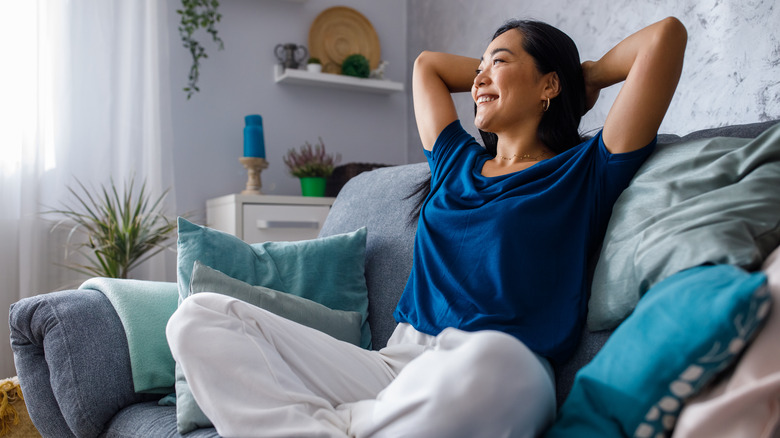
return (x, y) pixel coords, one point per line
(328, 271)
(341, 325)
(684, 331)
(713, 201)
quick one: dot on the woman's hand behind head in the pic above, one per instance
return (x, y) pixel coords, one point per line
(592, 90)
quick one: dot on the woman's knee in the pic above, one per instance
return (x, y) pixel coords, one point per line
(490, 349)
(193, 316)
(515, 381)
(500, 365)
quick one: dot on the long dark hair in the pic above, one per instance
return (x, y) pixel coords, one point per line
(552, 50)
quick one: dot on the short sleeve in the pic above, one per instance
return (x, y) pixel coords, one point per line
(617, 170)
(450, 146)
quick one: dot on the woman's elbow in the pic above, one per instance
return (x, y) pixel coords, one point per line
(673, 33)
(423, 59)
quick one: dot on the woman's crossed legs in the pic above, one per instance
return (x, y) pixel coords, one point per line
(255, 374)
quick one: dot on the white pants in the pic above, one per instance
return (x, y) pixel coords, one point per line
(256, 374)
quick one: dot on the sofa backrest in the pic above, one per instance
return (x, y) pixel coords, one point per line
(378, 200)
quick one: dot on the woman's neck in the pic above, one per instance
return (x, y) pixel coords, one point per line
(520, 146)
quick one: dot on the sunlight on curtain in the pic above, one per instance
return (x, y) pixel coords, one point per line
(84, 93)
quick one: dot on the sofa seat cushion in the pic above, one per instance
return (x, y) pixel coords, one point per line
(144, 420)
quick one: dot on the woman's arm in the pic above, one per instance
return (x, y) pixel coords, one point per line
(435, 76)
(650, 61)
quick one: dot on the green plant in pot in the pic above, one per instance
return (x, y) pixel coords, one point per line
(312, 165)
(356, 65)
(120, 231)
(314, 65)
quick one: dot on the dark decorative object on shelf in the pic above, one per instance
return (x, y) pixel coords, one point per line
(342, 174)
(197, 14)
(290, 55)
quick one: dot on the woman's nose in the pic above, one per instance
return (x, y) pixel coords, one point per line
(480, 79)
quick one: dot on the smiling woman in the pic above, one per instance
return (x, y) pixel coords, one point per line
(536, 197)
(486, 310)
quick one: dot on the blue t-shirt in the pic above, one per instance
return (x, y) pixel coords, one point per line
(511, 252)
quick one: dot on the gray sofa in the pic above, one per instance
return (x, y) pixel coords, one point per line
(71, 352)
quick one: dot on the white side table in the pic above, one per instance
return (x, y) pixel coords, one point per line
(261, 218)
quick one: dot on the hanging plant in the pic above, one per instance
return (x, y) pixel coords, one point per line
(197, 14)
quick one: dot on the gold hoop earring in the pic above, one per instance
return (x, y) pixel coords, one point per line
(547, 105)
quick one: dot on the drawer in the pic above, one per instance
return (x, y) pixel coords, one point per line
(269, 222)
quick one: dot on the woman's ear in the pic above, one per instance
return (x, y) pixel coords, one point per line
(552, 85)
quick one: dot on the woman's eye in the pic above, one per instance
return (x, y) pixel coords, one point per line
(478, 71)
(496, 61)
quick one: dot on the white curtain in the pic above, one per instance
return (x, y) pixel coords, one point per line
(84, 94)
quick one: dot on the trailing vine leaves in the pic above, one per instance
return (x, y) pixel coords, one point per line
(197, 14)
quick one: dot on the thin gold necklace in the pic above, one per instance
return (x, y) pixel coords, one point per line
(523, 157)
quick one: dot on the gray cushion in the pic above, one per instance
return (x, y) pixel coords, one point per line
(697, 201)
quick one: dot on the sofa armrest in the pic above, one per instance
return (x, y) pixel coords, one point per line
(73, 363)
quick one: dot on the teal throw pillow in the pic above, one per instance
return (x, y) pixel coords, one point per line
(708, 201)
(341, 325)
(328, 270)
(684, 331)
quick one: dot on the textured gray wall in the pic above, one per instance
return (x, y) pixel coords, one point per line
(732, 66)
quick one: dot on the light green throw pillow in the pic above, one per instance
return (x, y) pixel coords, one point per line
(341, 325)
(708, 201)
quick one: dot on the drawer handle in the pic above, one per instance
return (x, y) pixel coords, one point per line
(264, 224)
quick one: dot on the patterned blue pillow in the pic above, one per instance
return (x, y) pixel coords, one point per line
(684, 331)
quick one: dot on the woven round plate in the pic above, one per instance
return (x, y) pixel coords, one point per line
(339, 32)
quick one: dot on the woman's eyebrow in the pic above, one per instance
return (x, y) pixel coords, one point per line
(497, 50)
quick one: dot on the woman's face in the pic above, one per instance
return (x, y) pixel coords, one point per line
(508, 87)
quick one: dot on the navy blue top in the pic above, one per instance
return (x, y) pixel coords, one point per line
(511, 252)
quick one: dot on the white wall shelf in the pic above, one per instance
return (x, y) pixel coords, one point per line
(303, 77)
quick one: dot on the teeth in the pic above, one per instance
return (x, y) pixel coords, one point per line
(483, 99)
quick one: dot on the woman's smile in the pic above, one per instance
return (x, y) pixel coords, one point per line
(486, 98)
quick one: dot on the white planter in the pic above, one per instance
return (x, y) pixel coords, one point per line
(316, 68)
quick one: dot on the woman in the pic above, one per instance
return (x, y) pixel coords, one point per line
(498, 289)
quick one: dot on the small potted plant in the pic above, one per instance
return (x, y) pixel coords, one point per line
(314, 65)
(312, 165)
(356, 65)
(120, 231)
